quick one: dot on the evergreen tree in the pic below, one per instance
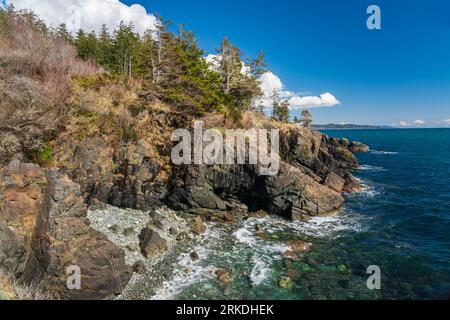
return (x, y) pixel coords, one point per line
(125, 45)
(86, 45)
(280, 110)
(241, 87)
(284, 112)
(276, 103)
(188, 79)
(306, 118)
(105, 48)
(61, 32)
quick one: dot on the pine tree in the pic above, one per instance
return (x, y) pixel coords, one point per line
(276, 103)
(125, 45)
(284, 111)
(306, 118)
(86, 45)
(280, 110)
(61, 32)
(105, 47)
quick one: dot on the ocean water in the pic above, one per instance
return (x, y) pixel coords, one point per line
(399, 222)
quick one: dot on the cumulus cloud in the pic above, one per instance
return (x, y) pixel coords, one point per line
(325, 100)
(271, 82)
(403, 124)
(419, 122)
(88, 14)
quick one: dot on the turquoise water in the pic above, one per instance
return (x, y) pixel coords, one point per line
(400, 222)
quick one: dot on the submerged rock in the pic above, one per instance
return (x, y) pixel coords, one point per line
(194, 256)
(285, 283)
(224, 276)
(298, 246)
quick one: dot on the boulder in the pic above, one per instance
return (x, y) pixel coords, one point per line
(197, 225)
(358, 147)
(151, 243)
(45, 212)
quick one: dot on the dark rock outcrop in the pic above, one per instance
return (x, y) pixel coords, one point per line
(46, 218)
(358, 147)
(315, 171)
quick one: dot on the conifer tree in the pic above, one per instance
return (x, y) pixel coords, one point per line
(62, 33)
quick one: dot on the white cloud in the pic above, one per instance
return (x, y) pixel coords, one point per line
(446, 121)
(325, 100)
(271, 82)
(415, 123)
(88, 14)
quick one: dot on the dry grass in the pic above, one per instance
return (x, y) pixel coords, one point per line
(36, 71)
(11, 289)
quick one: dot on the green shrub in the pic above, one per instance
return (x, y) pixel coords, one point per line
(129, 134)
(46, 155)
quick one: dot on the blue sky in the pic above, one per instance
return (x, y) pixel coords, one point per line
(397, 75)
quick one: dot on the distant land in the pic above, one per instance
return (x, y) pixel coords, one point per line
(333, 126)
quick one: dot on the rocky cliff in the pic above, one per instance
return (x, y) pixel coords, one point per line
(43, 210)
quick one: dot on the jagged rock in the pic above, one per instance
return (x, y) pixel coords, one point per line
(47, 214)
(358, 147)
(151, 243)
(310, 182)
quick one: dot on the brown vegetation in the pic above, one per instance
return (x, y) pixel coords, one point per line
(36, 69)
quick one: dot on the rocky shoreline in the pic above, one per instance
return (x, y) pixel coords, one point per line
(104, 212)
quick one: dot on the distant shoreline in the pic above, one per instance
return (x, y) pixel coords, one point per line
(367, 127)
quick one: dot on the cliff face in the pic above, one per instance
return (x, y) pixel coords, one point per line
(314, 173)
(44, 230)
(97, 157)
